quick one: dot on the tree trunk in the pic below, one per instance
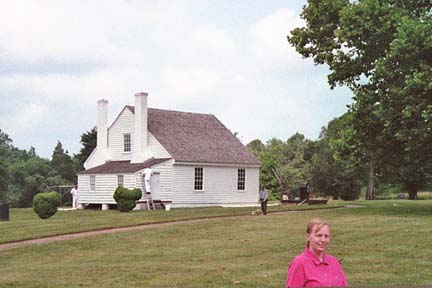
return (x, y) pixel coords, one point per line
(4, 212)
(284, 188)
(370, 193)
(412, 191)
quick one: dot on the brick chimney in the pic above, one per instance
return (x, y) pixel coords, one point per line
(140, 151)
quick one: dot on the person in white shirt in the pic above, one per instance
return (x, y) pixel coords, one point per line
(263, 195)
(74, 193)
(148, 172)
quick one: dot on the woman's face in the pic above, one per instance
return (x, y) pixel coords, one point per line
(318, 240)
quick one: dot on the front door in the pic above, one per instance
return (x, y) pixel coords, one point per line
(155, 186)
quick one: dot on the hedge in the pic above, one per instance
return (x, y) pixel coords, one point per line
(45, 204)
(126, 198)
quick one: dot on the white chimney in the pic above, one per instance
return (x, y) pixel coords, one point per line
(140, 151)
(102, 126)
(101, 154)
(102, 131)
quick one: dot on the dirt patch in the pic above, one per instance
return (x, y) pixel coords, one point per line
(354, 206)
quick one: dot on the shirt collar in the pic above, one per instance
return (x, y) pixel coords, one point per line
(315, 259)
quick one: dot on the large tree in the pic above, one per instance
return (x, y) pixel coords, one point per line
(365, 43)
(88, 142)
(403, 80)
(62, 164)
(28, 175)
(283, 163)
(332, 172)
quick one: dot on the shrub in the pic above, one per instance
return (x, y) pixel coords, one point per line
(126, 198)
(45, 204)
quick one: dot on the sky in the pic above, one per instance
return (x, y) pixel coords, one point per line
(226, 58)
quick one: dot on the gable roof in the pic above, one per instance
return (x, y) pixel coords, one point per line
(195, 137)
(113, 167)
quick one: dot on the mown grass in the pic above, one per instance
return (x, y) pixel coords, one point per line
(384, 243)
(25, 224)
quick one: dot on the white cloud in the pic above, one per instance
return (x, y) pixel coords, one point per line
(63, 56)
(25, 117)
(269, 45)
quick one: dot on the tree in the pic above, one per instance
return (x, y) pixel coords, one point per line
(23, 173)
(62, 164)
(283, 164)
(403, 81)
(27, 179)
(88, 141)
(256, 147)
(358, 41)
(332, 172)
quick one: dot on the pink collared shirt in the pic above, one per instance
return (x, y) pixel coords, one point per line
(307, 270)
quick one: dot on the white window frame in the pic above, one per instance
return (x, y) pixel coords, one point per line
(127, 147)
(92, 183)
(120, 180)
(241, 181)
(197, 180)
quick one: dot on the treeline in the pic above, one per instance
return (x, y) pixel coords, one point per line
(382, 51)
(23, 173)
(333, 166)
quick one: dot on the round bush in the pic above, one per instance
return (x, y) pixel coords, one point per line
(45, 204)
(126, 198)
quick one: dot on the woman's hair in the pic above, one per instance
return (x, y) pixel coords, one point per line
(316, 222)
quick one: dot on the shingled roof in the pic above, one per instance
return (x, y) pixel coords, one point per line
(194, 137)
(113, 167)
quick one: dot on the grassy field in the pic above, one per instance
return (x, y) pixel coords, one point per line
(384, 243)
(25, 224)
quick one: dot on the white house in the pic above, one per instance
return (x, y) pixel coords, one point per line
(195, 159)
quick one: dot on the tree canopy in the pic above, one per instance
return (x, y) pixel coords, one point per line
(381, 50)
(88, 142)
(23, 174)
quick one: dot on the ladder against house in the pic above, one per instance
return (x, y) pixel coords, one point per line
(149, 200)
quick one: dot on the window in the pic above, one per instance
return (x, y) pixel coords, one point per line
(92, 183)
(127, 142)
(241, 179)
(199, 178)
(120, 180)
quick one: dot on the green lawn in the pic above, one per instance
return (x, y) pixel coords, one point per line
(384, 243)
(25, 224)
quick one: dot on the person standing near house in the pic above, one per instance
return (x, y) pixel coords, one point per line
(74, 193)
(263, 195)
(148, 172)
(314, 267)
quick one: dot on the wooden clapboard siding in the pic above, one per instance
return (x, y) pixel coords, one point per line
(220, 186)
(166, 179)
(125, 124)
(83, 186)
(165, 170)
(105, 187)
(156, 149)
(129, 181)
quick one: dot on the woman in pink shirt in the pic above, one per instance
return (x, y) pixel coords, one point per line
(313, 267)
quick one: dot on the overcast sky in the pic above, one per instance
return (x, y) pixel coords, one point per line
(227, 58)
